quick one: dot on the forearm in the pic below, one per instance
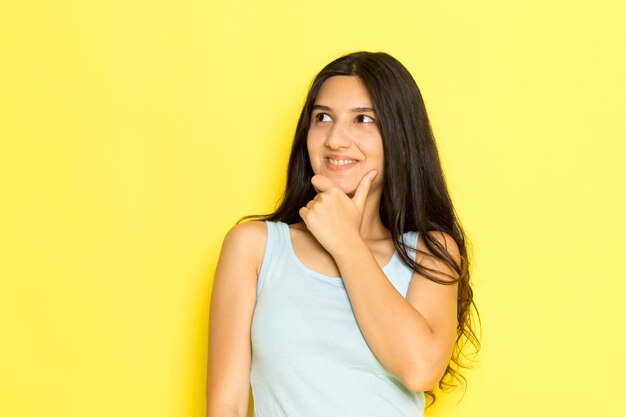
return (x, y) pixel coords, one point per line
(397, 333)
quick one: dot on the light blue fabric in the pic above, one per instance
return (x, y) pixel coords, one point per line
(309, 358)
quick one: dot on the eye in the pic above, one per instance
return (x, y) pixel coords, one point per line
(361, 118)
(322, 117)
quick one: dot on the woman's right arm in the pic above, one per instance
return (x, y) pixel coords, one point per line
(232, 304)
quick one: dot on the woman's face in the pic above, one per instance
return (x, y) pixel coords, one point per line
(344, 140)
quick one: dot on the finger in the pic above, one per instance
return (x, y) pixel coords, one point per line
(303, 212)
(321, 183)
(363, 189)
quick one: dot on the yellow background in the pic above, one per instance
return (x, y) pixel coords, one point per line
(134, 134)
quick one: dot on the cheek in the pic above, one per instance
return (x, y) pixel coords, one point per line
(376, 152)
(311, 151)
(314, 142)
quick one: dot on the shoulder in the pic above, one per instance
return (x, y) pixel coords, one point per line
(247, 240)
(249, 231)
(425, 257)
(444, 240)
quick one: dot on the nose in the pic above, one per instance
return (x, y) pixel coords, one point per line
(337, 137)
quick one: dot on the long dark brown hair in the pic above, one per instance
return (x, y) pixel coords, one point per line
(415, 196)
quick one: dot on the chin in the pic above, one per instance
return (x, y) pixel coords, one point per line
(349, 189)
(348, 186)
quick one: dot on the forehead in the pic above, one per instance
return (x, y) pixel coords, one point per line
(343, 90)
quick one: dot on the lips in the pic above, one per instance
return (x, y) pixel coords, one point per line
(339, 162)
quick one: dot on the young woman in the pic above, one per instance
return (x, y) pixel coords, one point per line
(353, 297)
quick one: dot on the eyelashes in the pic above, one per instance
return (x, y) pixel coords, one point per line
(322, 117)
(325, 117)
(362, 118)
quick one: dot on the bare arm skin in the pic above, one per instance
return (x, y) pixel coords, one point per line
(413, 337)
(232, 304)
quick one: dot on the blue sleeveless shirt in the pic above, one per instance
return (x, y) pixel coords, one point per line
(309, 358)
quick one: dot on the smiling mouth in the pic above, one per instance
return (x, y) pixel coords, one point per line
(341, 161)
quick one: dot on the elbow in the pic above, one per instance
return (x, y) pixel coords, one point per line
(421, 378)
(421, 384)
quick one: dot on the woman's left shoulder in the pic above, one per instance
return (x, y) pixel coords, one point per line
(425, 257)
(445, 239)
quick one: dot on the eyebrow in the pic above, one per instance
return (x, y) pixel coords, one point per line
(354, 109)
